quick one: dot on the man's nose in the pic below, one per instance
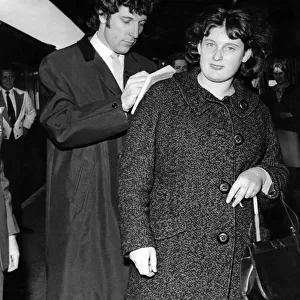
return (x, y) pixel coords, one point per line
(135, 31)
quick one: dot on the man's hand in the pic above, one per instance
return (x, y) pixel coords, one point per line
(247, 185)
(14, 253)
(144, 260)
(132, 89)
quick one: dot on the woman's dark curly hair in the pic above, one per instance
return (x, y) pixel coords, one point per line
(254, 32)
(109, 7)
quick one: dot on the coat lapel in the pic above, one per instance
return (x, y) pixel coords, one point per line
(92, 57)
(2, 103)
(105, 74)
(131, 66)
(19, 102)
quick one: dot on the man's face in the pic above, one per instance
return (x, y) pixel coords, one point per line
(121, 31)
(7, 79)
(220, 56)
(180, 65)
(279, 77)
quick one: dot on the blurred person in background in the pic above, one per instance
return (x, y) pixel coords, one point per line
(177, 61)
(9, 250)
(18, 117)
(283, 100)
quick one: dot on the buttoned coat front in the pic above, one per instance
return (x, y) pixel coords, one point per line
(184, 150)
(83, 116)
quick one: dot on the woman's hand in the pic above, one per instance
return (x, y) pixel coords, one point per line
(144, 260)
(247, 185)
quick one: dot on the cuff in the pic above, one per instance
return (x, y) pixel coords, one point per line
(268, 187)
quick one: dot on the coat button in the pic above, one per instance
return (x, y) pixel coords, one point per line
(114, 105)
(238, 139)
(223, 238)
(224, 187)
(244, 105)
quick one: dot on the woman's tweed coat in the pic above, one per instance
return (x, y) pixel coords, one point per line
(184, 150)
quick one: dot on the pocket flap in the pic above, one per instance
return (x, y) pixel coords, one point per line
(167, 228)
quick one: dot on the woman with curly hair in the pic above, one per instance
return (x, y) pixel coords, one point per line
(199, 147)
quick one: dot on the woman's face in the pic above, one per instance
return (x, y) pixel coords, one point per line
(220, 56)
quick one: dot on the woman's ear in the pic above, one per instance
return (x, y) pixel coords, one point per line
(247, 55)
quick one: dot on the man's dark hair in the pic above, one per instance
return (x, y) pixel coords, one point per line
(110, 7)
(254, 32)
(173, 57)
(7, 68)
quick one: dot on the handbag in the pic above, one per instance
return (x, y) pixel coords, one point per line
(271, 270)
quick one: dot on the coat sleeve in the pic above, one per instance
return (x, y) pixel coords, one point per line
(30, 112)
(272, 160)
(11, 222)
(136, 175)
(69, 125)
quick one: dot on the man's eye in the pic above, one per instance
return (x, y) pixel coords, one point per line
(230, 48)
(210, 45)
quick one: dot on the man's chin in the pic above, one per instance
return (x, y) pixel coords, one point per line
(124, 50)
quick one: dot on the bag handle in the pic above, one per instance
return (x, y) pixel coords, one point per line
(289, 212)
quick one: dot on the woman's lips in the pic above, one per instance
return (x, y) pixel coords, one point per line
(216, 67)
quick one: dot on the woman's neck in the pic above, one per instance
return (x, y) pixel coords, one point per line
(218, 89)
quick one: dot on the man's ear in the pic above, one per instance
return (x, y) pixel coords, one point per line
(247, 55)
(199, 48)
(102, 17)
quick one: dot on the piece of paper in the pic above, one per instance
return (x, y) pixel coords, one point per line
(161, 74)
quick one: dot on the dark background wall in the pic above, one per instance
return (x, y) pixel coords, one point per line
(165, 29)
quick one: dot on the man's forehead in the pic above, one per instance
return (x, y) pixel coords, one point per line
(7, 72)
(125, 12)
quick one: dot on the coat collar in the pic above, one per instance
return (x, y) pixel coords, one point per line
(131, 65)
(243, 101)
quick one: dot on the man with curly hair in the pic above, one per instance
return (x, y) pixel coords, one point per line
(88, 89)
